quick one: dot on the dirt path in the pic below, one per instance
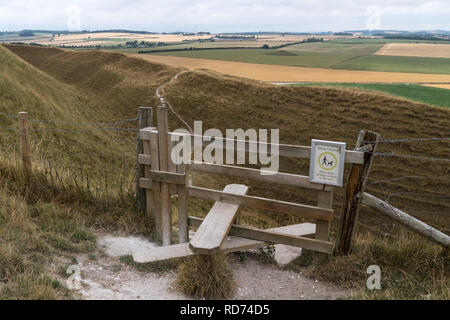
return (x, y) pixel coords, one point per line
(161, 96)
(106, 277)
(273, 73)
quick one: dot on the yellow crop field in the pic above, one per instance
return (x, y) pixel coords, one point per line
(439, 85)
(430, 50)
(273, 73)
(105, 37)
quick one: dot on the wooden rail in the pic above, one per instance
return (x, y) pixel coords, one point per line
(284, 150)
(262, 203)
(287, 179)
(405, 219)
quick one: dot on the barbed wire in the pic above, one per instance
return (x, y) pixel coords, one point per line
(381, 154)
(13, 116)
(407, 177)
(409, 140)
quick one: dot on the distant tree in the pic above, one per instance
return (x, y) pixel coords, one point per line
(265, 46)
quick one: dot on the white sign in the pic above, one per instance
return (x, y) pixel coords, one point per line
(327, 162)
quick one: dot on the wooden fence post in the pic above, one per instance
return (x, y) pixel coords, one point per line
(145, 117)
(166, 216)
(25, 143)
(367, 141)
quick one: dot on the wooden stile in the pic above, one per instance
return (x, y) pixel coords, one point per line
(231, 243)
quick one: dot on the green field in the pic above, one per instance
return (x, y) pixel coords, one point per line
(429, 95)
(268, 56)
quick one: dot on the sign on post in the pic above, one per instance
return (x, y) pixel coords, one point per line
(327, 162)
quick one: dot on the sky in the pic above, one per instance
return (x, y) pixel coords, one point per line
(225, 16)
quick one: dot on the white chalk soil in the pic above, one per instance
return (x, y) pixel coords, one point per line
(104, 276)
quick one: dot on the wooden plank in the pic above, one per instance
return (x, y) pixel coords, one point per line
(181, 189)
(183, 232)
(166, 216)
(255, 174)
(405, 219)
(262, 203)
(146, 183)
(325, 200)
(281, 238)
(285, 150)
(231, 244)
(214, 229)
(168, 177)
(156, 186)
(144, 159)
(173, 189)
(355, 186)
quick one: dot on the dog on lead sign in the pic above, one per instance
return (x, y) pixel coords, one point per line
(327, 162)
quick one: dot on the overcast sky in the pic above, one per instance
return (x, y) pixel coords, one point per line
(225, 16)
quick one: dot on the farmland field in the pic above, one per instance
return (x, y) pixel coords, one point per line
(429, 95)
(415, 50)
(268, 56)
(273, 73)
(336, 55)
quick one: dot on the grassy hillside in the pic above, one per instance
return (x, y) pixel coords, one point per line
(429, 95)
(110, 86)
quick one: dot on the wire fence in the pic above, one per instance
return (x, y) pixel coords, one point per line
(405, 191)
(424, 196)
(105, 170)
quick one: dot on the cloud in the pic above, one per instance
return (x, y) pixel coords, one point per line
(222, 16)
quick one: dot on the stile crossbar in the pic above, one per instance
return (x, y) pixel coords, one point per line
(220, 230)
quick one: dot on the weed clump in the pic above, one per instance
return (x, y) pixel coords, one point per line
(206, 277)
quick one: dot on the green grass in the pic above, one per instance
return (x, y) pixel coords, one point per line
(429, 95)
(397, 64)
(355, 49)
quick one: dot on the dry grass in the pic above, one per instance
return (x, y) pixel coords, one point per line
(410, 268)
(206, 277)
